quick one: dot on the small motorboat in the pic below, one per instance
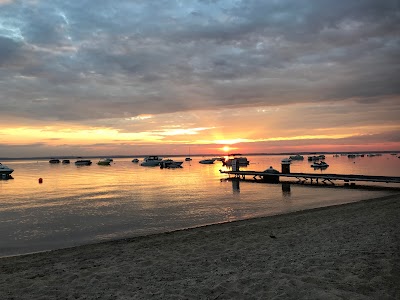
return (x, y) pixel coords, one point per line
(286, 161)
(104, 162)
(83, 162)
(207, 161)
(243, 161)
(5, 172)
(54, 161)
(65, 161)
(296, 157)
(151, 161)
(170, 164)
(188, 159)
(135, 160)
(319, 165)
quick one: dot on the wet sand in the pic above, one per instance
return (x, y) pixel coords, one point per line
(349, 251)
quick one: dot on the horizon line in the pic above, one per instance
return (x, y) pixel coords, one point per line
(212, 154)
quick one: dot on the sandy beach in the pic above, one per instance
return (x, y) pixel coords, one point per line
(348, 251)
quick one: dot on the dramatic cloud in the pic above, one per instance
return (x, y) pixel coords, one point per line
(101, 63)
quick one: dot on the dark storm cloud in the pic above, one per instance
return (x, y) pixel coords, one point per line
(110, 59)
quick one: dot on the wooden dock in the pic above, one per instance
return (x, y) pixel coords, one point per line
(310, 177)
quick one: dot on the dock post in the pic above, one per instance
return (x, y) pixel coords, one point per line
(235, 165)
(285, 166)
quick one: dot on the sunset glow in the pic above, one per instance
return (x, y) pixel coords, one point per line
(226, 148)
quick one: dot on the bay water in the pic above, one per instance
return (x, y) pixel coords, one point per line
(76, 205)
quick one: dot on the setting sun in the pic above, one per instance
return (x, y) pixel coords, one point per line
(226, 148)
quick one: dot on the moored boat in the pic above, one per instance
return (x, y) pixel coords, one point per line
(243, 161)
(5, 172)
(170, 164)
(207, 161)
(151, 161)
(65, 161)
(54, 161)
(316, 157)
(319, 165)
(104, 162)
(135, 160)
(296, 157)
(83, 162)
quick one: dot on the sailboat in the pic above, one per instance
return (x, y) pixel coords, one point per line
(188, 158)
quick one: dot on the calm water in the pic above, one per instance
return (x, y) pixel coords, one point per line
(79, 205)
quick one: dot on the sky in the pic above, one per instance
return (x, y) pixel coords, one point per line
(147, 77)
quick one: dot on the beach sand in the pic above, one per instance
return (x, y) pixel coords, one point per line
(348, 251)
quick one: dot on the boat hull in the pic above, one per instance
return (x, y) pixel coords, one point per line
(83, 163)
(150, 164)
(151, 161)
(206, 162)
(4, 170)
(171, 164)
(243, 162)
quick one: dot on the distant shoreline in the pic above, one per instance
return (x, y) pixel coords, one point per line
(192, 155)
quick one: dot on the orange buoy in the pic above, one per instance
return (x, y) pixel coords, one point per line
(40, 180)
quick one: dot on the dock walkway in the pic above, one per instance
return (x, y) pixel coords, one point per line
(309, 177)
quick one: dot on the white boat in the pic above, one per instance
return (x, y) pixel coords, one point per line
(135, 160)
(286, 161)
(104, 162)
(151, 161)
(83, 162)
(243, 161)
(207, 161)
(316, 158)
(5, 171)
(296, 157)
(170, 164)
(319, 165)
